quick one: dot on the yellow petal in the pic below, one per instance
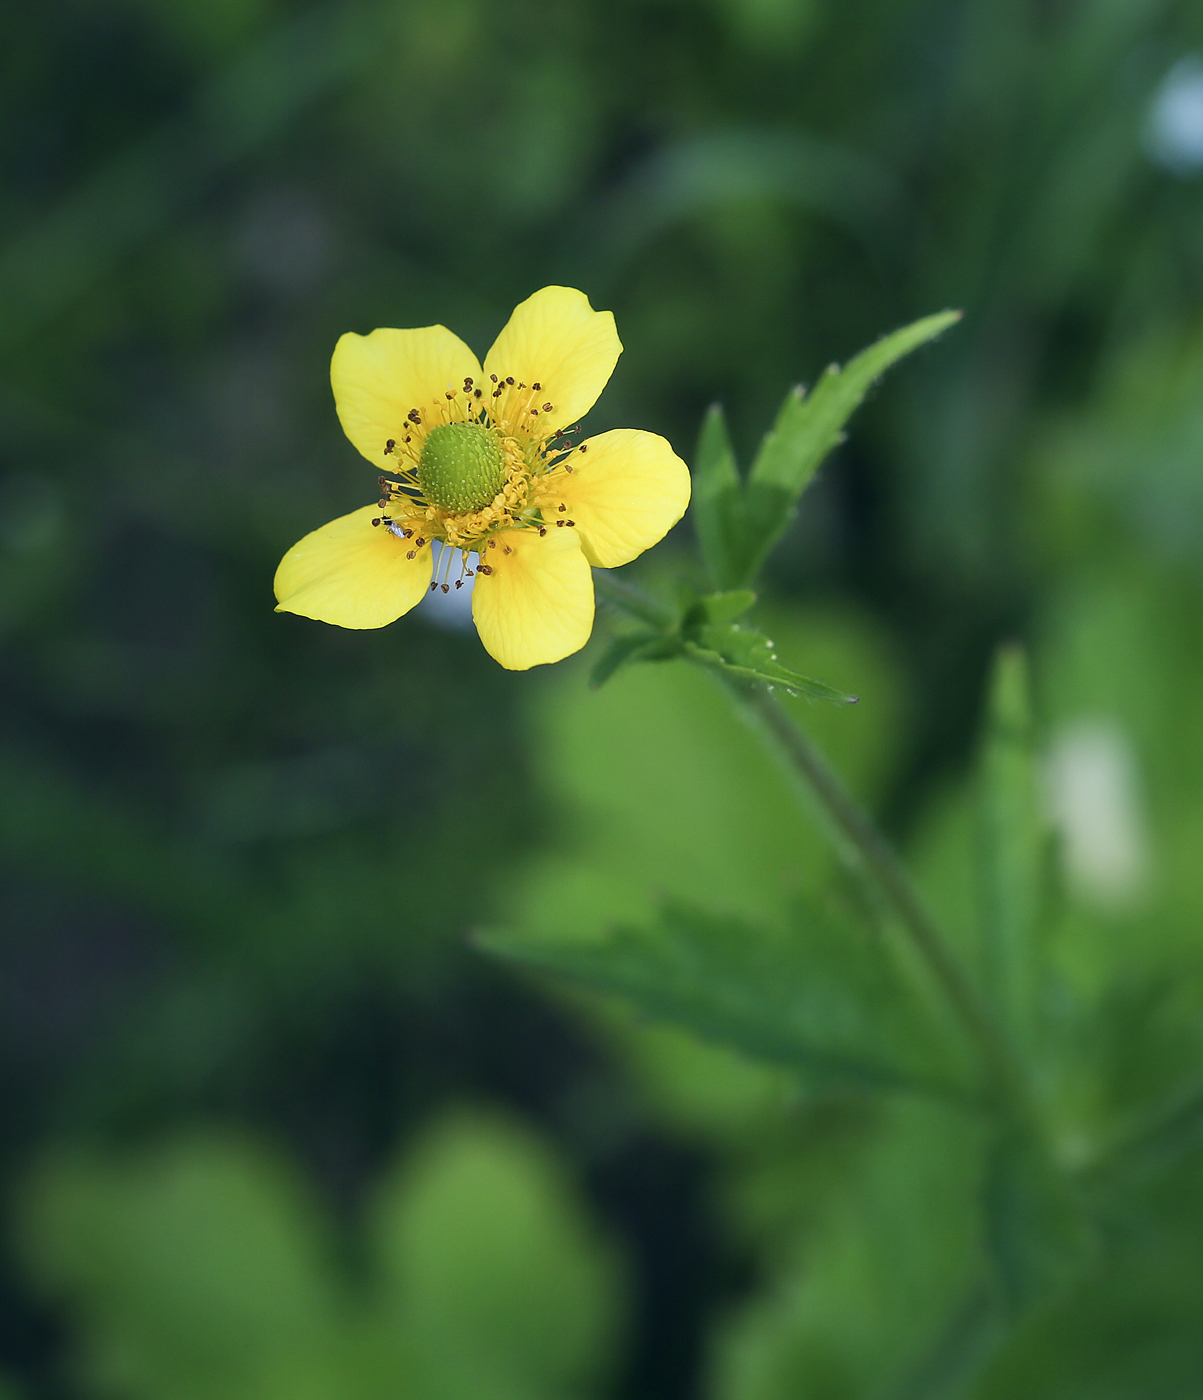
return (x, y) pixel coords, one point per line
(537, 604)
(555, 339)
(352, 573)
(626, 491)
(378, 378)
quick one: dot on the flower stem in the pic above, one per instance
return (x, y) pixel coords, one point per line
(1007, 1081)
(1006, 1076)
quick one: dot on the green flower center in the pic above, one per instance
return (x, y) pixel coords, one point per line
(462, 467)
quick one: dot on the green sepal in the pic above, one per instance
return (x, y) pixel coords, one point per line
(748, 655)
(820, 996)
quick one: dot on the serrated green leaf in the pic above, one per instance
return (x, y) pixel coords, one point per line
(821, 997)
(749, 656)
(807, 428)
(718, 499)
(1013, 845)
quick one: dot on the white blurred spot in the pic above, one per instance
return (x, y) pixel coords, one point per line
(453, 609)
(1174, 134)
(1094, 799)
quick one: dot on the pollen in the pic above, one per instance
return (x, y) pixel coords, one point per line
(462, 467)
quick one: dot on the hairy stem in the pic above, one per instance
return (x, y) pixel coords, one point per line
(1007, 1081)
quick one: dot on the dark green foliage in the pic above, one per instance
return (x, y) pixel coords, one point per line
(238, 852)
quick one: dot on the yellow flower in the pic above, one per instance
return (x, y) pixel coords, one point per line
(486, 462)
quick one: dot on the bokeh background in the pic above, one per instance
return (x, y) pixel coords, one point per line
(270, 1126)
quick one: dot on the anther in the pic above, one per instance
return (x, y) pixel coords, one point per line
(560, 523)
(389, 445)
(493, 377)
(451, 393)
(376, 521)
(567, 468)
(584, 447)
(509, 379)
(507, 550)
(411, 554)
(542, 532)
(569, 522)
(382, 502)
(459, 583)
(444, 587)
(484, 569)
(414, 416)
(433, 586)
(476, 393)
(546, 406)
(561, 506)
(467, 382)
(536, 386)
(534, 413)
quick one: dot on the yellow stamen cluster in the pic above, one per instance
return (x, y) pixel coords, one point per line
(511, 412)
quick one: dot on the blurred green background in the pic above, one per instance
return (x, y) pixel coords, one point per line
(270, 1127)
